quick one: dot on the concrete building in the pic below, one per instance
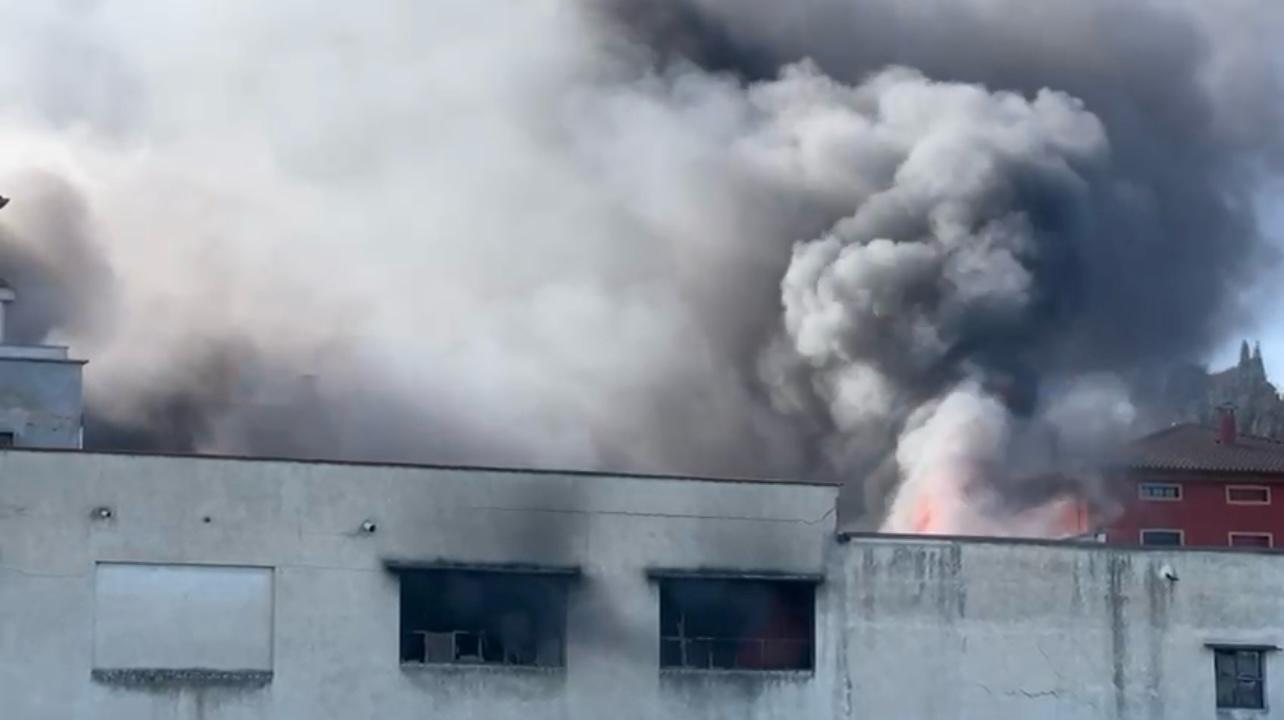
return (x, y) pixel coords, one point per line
(185, 587)
(40, 392)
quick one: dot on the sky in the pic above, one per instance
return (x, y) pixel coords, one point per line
(1268, 327)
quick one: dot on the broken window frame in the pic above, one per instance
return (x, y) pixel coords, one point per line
(475, 640)
(1239, 676)
(710, 648)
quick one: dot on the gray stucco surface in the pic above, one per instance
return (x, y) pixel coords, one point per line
(906, 628)
(224, 613)
(40, 400)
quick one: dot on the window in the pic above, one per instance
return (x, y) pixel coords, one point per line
(745, 624)
(1248, 495)
(1239, 674)
(7, 440)
(1251, 539)
(181, 621)
(1162, 537)
(484, 617)
(1159, 491)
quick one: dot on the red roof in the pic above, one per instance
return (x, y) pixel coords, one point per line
(1195, 448)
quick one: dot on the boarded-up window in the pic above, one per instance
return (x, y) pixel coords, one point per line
(736, 624)
(1161, 537)
(1239, 674)
(482, 617)
(182, 617)
(1248, 495)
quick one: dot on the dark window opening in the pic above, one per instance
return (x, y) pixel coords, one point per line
(737, 624)
(1239, 678)
(7, 440)
(1161, 537)
(480, 617)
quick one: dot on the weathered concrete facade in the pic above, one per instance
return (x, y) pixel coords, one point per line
(996, 629)
(905, 628)
(40, 396)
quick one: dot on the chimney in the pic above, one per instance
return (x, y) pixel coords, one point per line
(7, 296)
(1226, 431)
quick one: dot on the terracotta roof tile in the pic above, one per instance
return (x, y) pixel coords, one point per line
(1195, 448)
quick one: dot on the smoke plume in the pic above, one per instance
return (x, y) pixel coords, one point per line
(925, 251)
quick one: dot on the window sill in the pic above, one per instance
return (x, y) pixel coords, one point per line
(180, 677)
(737, 673)
(416, 667)
(1241, 713)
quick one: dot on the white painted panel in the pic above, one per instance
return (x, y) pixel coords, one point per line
(182, 616)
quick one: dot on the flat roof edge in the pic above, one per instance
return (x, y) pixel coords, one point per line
(1077, 543)
(426, 466)
(400, 565)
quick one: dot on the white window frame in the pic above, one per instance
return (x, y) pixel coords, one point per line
(1267, 488)
(1181, 536)
(1181, 492)
(1230, 538)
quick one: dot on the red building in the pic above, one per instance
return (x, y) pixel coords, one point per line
(1201, 486)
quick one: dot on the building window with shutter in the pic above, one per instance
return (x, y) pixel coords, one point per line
(1240, 673)
(1251, 539)
(1248, 495)
(1170, 492)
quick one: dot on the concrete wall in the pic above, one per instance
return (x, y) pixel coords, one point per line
(335, 620)
(913, 629)
(40, 397)
(993, 629)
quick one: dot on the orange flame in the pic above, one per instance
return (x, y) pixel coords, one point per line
(1062, 517)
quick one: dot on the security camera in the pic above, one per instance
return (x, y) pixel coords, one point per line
(1168, 573)
(368, 526)
(3, 201)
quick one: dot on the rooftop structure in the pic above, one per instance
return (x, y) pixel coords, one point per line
(41, 397)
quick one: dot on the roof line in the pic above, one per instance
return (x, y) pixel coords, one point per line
(1203, 426)
(1077, 543)
(509, 469)
(1172, 468)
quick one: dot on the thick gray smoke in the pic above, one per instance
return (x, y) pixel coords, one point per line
(838, 238)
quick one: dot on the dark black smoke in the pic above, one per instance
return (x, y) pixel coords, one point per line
(1172, 231)
(1143, 266)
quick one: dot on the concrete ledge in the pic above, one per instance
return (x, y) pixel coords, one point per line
(441, 667)
(737, 674)
(718, 573)
(181, 677)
